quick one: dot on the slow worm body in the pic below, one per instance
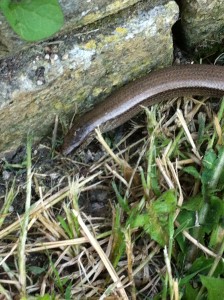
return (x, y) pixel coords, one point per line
(164, 84)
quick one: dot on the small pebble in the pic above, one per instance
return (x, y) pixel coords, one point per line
(54, 57)
(11, 209)
(65, 56)
(39, 82)
(6, 175)
(47, 57)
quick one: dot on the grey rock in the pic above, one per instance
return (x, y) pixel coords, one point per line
(91, 62)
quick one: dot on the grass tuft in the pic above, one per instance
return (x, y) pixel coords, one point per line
(140, 217)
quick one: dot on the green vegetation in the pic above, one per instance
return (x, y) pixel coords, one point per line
(164, 236)
(33, 20)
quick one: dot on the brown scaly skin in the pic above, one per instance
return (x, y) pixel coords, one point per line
(164, 84)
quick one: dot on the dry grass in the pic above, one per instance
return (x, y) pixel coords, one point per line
(56, 250)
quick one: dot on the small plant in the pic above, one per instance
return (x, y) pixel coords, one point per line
(33, 20)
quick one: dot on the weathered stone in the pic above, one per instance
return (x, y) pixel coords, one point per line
(76, 12)
(52, 79)
(202, 24)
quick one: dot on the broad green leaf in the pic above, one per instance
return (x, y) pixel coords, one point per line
(209, 159)
(190, 292)
(33, 20)
(217, 236)
(194, 203)
(208, 162)
(209, 165)
(140, 221)
(214, 287)
(200, 264)
(217, 180)
(157, 222)
(4, 4)
(188, 278)
(215, 208)
(160, 212)
(165, 204)
(213, 172)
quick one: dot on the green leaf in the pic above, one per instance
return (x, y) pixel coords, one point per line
(45, 297)
(209, 165)
(194, 203)
(36, 270)
(200, 264)
(218, 172)
(217, 236)
(165, 204)
(122, 201)
(180, 239)
(192, 171)
(197, 268)
(4, 4)
(118, 246)
(209, 159)
(215, 212)
(140, 221)
(190, 292)
(214, 287)
(65, 226)
(68, 294)
(33, 20)
(157, 222)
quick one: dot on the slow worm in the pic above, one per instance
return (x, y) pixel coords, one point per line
(164, 84)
